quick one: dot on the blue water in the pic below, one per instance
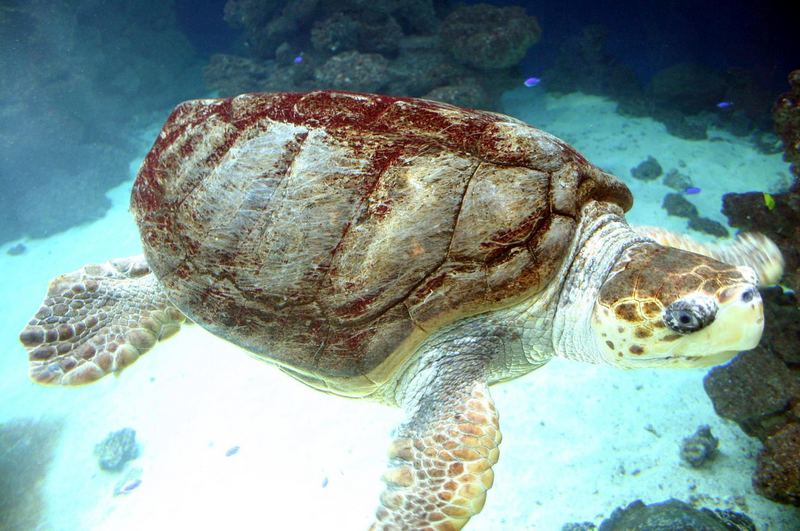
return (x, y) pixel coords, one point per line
(85, 88)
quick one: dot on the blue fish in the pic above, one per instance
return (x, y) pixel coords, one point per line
(724, 104)
(532, 81)
(692, 190)
(233, 450)
(127, 487)
(298, 59)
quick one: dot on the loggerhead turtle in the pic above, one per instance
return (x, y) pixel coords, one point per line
(401, 250)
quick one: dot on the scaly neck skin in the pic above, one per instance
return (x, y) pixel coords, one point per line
(602, 236)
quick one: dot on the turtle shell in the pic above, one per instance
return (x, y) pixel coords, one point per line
(332, 232)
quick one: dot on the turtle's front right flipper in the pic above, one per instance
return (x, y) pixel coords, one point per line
(97, 320)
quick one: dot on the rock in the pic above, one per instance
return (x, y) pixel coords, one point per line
(488, 37)
(672, 515)
(382, 36)
(117, 449)
(687, 88)
(786, 114)
(700, 448)
(582, 526)
(677, 205)
(677, 181)
(469, 95)
(423, 66)
(584, 64)
(232, 75)
(365, 72)
(782, 325)
(755, 390)
(782, 224)
(681, 125)
(16, 250)
(647, 170)
(709, 226)
(778, 473)
(337, 33)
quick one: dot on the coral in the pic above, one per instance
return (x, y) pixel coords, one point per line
(354, 71)
(778, 473)
(389, 46)
(488, 37)
(700, 448)
(673, 514)
(647, 170)
(117, 449)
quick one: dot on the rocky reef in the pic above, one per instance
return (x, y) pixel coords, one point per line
(686, 97)
(463, 55)
(760, 389)
(79, 78)
(668, 515)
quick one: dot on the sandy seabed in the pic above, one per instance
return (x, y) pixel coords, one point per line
(579, 440)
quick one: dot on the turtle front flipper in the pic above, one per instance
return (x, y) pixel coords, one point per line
(440, 464)
(97, 320)
(748, 249)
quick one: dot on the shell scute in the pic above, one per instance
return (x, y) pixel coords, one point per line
(331, 232)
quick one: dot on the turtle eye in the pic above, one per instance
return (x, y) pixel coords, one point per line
(690, 314)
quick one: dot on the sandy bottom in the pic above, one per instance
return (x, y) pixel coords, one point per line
(579, 440)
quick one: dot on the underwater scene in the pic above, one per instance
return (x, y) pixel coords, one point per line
(399, 264)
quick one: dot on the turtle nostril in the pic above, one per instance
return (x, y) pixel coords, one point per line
(748, 294)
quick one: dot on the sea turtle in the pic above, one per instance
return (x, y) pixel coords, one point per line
(401, 250)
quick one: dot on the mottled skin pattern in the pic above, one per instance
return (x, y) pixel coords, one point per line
(98, 320)
(402, 250)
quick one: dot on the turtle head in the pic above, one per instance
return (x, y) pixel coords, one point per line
(664, 307)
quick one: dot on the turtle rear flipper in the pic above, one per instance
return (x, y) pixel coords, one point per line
(97, 320)
(750, 249)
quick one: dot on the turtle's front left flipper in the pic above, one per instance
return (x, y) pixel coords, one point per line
(97, 320)
(440, 463)
(748, 249)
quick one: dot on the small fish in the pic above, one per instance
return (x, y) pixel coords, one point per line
(691, 190)
(298, 59)
(127, 487)
(769, 201)
(724, 104)
(233, 450)
(532, 81)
